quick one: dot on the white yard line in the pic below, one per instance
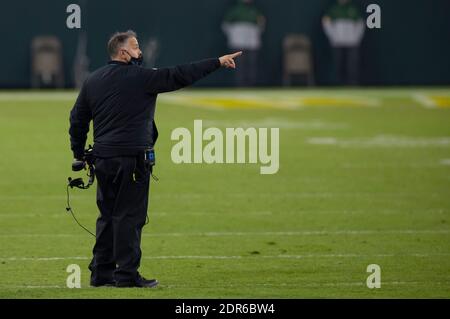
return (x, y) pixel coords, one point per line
(215, 214)
(424, 100)
(37, 96)
(314, 284)
(63, 214)
(222, 195)
(42, 258)
(210, 257)
(301, 233)
(267, 233)
(249, 285)
(381, 141)
(33, 287)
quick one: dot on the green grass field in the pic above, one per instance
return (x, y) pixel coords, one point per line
(364, 179)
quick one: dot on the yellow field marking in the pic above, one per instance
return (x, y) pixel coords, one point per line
(271, 102)
(441, 101)
(234, 102)
(335, 102)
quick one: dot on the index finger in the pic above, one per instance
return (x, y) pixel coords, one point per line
(236, 54)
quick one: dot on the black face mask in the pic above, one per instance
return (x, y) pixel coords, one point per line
(135, 61)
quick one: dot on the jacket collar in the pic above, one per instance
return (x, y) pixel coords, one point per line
(117, 62)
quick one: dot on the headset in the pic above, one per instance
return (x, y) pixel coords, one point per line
(87, 162)
(78, 165)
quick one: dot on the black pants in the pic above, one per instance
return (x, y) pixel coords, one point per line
(122, 198)
(346, 61)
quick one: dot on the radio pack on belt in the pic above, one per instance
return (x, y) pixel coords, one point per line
(149, 156)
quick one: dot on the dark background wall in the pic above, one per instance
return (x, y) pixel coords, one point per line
(412, 47)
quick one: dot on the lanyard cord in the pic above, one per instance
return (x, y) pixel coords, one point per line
(69, 209)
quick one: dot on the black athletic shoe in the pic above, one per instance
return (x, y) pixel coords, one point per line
(139, 282)
(103, 283)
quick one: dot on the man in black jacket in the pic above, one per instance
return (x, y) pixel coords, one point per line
(120, 99)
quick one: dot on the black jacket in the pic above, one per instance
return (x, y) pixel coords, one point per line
(120, 99)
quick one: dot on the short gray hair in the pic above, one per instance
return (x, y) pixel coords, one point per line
(117, 40)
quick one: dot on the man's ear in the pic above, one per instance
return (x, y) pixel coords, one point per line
(124, 55)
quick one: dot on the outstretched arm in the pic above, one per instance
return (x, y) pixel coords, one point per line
(174, 78)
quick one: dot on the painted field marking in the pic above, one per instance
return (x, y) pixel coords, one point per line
(249, 285)
(267, 233)
(38, 197)
(211, 257)
(424, 100)
(280, 123)
(214, 214)
(254, 101)
(37, 96)
(382, 141)
(151, 214)
(441, 101)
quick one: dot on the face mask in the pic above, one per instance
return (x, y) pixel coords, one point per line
(135, 61)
